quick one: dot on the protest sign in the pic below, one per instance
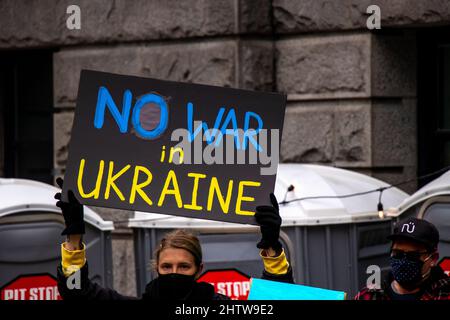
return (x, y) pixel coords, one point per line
(174, 148)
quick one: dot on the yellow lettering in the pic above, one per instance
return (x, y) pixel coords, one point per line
(96, 192)
(171, 178)
(194, 205)
(241, 197)
(111, 178)
(163, 154)
(180, 156)
(214, 188)
(135, 187)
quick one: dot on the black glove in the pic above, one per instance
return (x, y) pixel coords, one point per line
(72, 212)
(269, 220)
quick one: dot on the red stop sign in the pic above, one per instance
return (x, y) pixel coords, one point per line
(31, 287)
(230, 282)
(445, 265)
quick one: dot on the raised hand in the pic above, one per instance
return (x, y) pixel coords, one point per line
(269, 221)
(72, 211)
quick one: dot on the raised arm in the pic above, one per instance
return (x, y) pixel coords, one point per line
(73, 274)
(276, 265)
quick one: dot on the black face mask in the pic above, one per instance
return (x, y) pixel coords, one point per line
(407, 272)
(175, 286)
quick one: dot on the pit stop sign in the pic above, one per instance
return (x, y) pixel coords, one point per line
(445, 265)
(230, 282)
(31, 287)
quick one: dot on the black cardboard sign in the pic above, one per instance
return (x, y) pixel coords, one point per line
(175, 148)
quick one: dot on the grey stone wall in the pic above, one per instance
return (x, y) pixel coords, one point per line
(306, 16)
(122, 21)
(351, 101)
(351, 92)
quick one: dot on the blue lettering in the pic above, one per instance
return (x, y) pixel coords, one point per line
(248, 134)
(163, 119)
(231, 116)
(104, 99)
(190, 123)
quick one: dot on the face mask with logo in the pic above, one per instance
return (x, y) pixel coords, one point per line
(407, 271)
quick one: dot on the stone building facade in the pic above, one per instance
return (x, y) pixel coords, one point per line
(357, 98)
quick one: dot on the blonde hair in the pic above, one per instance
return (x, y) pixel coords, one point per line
(180, 239)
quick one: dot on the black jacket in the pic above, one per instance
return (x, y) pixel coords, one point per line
(92, 291)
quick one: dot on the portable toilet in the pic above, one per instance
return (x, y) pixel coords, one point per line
(432, 203)
(30, 240)
(330, 242)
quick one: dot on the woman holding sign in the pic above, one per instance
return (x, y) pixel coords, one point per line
(178, 260)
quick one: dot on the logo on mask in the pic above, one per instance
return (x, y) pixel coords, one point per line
(410, 227)
(408, 273)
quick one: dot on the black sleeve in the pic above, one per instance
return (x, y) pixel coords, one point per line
(287, 277)
(218, 296)
(87, 290)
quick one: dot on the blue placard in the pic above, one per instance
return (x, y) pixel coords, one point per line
(273, 290)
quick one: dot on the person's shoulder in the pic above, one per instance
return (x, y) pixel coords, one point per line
(439, 279)
(205, 291)
(370, 294)
(219, 296)
(440, 288)
(364, 294)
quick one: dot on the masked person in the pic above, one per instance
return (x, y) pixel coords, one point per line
(178, 259)
(415, 274)
(178, 262)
